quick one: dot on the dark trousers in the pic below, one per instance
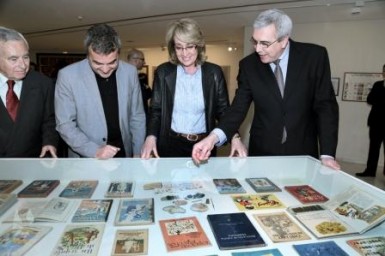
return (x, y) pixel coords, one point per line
(376, 137)
(179, 147)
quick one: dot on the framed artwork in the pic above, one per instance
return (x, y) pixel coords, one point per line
(336, 85)
(50, 63)
(357, 85)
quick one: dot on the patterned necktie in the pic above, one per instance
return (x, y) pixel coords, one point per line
(12, 102)
(281, 85)
(279, 76)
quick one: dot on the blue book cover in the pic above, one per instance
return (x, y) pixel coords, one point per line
(79, 189)
(92, 210)
(135, 211)
(328, 248)
(228, 186)
(234, 231)
(269, 252)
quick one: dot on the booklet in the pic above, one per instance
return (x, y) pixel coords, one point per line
(306, 194)
(262, 185)
(79, 189)
(353, 211)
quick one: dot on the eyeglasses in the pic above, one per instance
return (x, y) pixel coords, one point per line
(263, 44)
(189, 48)
(137, 58)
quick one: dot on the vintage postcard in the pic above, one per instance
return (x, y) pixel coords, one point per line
(7, 186)
(262, 185)
(79, 189)
(306, 194)
(183, 233)
(17, 240)
(130, 242)
(120, 189)
(135, 211)
(256, 202)
(93, 210)
(280, 227)
(79, 239)
(228, 186)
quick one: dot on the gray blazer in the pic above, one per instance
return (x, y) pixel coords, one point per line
(79, 110)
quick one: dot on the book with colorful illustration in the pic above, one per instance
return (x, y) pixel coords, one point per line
(328, 248)
(7, 186)
(368, 245)
(135, 211)
(183, 233)
(262, 185)
(130, 242)
(256, 202)
(92, 210)
(228, 186)
(120, 189)
(39, 188)
(79, 189)
(306, 194)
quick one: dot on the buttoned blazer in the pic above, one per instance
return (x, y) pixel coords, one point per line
(215, 95)
(35, 121)
(376, 98)
(80, 115)
(308, 110)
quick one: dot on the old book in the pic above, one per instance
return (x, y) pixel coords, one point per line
(280, 227)
(138, 211)
(6, 202)
(306, 194)
(17, 240)
(120, 189)
(262, 185)
(39, 188)
(130, 242)
(256, 202)
(92, 210)
(183, 233)
(80, 239)
(267, 252)
(7, 186)
(370, 246)
(353, 211)
(234, 231)
(228, 186)
(55, 210)
(79, 189)
(328, 248)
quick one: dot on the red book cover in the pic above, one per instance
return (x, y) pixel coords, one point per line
(306, 194)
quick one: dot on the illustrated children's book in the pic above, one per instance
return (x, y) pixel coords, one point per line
(228, 186)
(268, 252)
(92, 210)
(280, 227)
(370, 246)
(17, 240)
(79, 240)
(120, 189)
(130, 242)
(352, 211)
(7, 186)
(263, 185)
(135, 211)
(234, 231)
(256, 202)
(39, 188)
(328, 248)
(6, 202)
(306, 194)
(79, 189)
(183, 233)
(56, 210)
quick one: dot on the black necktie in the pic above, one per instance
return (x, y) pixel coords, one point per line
(12, 102)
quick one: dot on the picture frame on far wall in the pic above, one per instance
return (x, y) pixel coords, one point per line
(336, 85)
(357, 85)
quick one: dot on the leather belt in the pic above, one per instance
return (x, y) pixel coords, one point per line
(189, 137)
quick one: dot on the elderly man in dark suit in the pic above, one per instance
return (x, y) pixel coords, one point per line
(296, 112)
(27, 119)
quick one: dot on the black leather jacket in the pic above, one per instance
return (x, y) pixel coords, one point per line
(215, 93)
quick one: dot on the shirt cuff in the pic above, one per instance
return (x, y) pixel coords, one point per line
(221, 136)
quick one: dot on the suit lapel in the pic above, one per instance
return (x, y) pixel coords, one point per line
(294, 68)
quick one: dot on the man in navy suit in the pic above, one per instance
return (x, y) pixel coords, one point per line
(300, 119)
(29, 130)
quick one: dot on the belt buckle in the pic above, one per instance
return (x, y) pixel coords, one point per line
(192, 137)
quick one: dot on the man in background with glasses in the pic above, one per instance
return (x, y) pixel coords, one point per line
(295, 109)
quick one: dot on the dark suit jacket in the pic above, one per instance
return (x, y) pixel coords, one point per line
(35, 122)
(215, 95)
(309, 109)
(376, 98)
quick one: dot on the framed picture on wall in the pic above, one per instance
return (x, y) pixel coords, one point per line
(357, 85)
(336, 85)
(50, 63)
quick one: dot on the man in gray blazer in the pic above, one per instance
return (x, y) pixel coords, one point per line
(98, 103)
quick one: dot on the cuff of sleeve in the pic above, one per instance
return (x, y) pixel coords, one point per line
(221, 136)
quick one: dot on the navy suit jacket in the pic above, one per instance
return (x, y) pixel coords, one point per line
(35, 122)
(309, 109)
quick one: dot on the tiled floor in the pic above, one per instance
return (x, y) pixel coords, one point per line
(352, 169)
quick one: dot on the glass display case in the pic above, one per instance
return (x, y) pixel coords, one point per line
(182, 178)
